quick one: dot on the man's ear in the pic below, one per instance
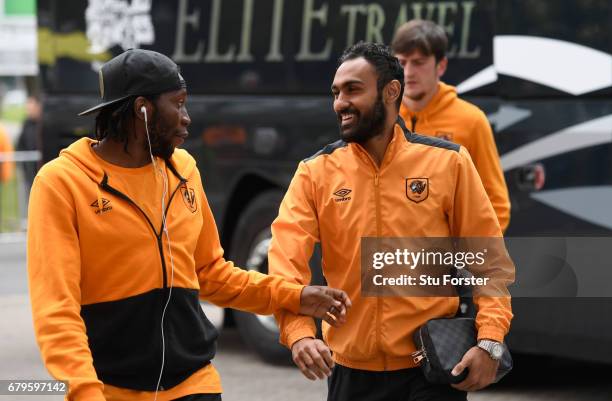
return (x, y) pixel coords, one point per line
(139, 103)
(392, 91)
(441, 67)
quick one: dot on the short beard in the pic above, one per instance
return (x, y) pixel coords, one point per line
(160, 147)
(370, 125)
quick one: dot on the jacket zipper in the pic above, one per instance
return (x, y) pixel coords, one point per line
(378, 235)
(414, 121)
(378, 315)
(421, 353)
(158, 236)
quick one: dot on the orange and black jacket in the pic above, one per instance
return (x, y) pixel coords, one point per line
(339, 196)
(448, 117)
(100, 272)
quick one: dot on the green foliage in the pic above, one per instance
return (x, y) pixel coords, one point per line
(10, 219)
(13, 113)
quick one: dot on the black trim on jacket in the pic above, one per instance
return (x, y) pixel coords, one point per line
(126, 343)
(328, 149)
(424, 139)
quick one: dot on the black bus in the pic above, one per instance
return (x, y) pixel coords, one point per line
(259, 75)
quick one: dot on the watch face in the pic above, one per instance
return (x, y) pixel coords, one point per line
(497, 351)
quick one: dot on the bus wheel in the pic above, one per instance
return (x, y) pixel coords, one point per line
(250, 245)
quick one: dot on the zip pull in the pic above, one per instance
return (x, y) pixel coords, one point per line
(418, 356)
(376, 180)
(414, 121)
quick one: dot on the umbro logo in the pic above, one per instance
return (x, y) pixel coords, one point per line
(342, 195)
(104, 207)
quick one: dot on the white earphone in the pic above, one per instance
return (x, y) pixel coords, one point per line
(143, 110)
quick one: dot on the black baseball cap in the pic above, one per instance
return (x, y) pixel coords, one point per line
(136, 72)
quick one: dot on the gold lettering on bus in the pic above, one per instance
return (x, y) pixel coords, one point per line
(417, 10)
(310, 15)
(360, 21)
(468, 7)
(183, 22)
(275, 38)
(245, 56)
(448, 26)
(213, 56)
(351, 10)
(375, 23)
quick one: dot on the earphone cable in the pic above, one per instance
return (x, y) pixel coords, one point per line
(165, 230)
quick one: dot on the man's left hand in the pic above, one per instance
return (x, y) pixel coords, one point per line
(482, 370)
(325, 303)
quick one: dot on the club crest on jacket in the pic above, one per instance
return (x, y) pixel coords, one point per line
(189, 198)
(447, 136)
(417, 189)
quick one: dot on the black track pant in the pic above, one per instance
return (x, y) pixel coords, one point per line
(346, 384)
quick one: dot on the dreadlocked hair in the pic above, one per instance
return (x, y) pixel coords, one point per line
(113, 122)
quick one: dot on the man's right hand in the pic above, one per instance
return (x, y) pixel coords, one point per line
(313, 357)
(325, 303)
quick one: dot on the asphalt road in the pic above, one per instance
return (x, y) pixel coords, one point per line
(246, 377)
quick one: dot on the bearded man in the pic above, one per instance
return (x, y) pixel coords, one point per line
(362, 186)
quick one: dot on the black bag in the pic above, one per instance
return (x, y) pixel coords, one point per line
(442, 343)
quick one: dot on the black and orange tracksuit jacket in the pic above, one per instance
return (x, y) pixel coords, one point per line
(341, 195)
(448, 117)
(100, 272)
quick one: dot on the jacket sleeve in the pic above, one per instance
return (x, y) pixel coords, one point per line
(294, 233)
(227, 285)
(473, 216)
(54, 274)
(7, 167)
(486, 159)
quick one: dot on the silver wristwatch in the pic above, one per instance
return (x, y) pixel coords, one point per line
(494, 348)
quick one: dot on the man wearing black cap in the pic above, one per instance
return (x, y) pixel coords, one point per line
(121, 242)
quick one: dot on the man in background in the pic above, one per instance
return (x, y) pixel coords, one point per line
(29, 139)
(431, 107)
